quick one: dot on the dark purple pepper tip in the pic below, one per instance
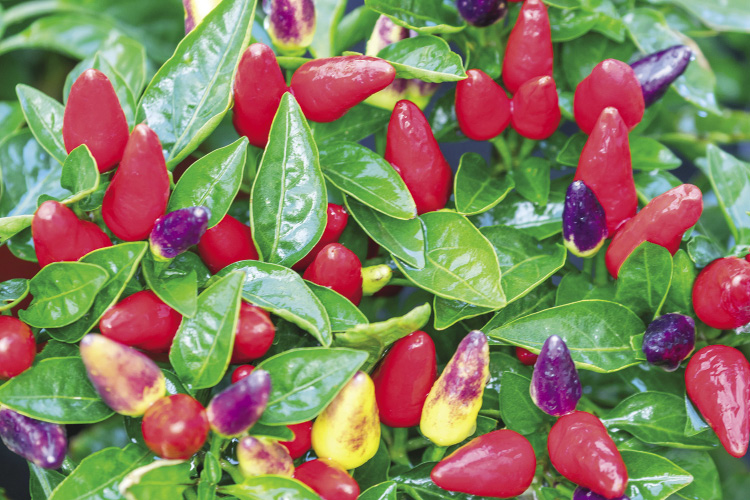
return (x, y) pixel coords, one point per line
(555, 387)
(657, 71)
(42, 443)
(582, 493)
(177, 231)
(482, 13)
(668, 340)
(234, 410)
(584, 221)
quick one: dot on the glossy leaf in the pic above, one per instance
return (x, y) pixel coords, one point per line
(518, 411)
(730, 179)
(270, 488)
(11, 226)
(650, 154)
(175, 285)
(79, 175)
(11, 118)
(706, 483)
(644, 280)
(160, 480)
(280, 432)
(730, 15)
(679, 297)
(703, 250)
(651, 184)
(375, 470)
(383, 491)
(532, 180)
(651, 477)
(577, 286)
(42, 481)
(427, 58)
(12, 292)
(423, 16)
(44, 115)
(475, 190)
(358, 123)
(328, 14)
(571, 151)
(341, 312)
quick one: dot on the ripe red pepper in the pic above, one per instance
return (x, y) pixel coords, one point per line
(663, 222)
(61, 236)
(497, 464)
(529, 51)
(258, 88)
(327, 88)
(605, 168)
(94, 117)
(335, 225)
(175, 427)
(404, 378)
(227, 242)
(255, 333)
(17, 347)
(302, 441)
(143, 321)
(241, 372)
(414, 153)
(139, 191)
(721, 293)
(528, 358)
(534, 110)
(611, 83)
(717, 379)
(582, 451)
(339, 269)
(482, 107)
(327, 480)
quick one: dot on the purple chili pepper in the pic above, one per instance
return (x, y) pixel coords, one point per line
(555, 387)
(584, 221)
(668, 340)
(234, 410)
(290, 24)
(582, 493)
(657, 71)
(482, 13)
(177, 231)
(41, 443)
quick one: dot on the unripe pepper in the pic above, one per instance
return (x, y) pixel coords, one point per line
(717, 379)
(375, 278)
(127, 380)
(93, 116)
(404, 378)
(327, 480)
(17, 347)
(582, 451)
(612, 83)
(555, 387)
(482, 107)
(497, 464)
(534, 109)
(42, 443)
(327, 88)
(528, 358)
(339, 269)
(348, 430)
(582, 493)
(336, 219)
(196, 10)
(721, 293)
(482, 13)
(255, 333)
(141, 320)
(657, 71)
(450, 411)
(241, 372)
(302, 441)
(383, 34)
(139, 191)
(668, 340)
(529, 51)
(605, 167)
(290, 24)
(260, 456)
(177, 231)
(413, 151)
(419, 92)
(258, 88)
(227, 242)
(235, 409)
(59, 235)
(175, 427)
(584, 221)
(663, 222)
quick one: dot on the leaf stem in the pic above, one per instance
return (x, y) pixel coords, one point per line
(600, 278)
(417, 443)
(435, 453)
(232, 471)
(501, 146)
(588, 266)
(398, 448)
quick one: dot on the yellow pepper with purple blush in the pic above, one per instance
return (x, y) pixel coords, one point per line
(196, 10)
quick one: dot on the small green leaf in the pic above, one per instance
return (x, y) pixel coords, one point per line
(358, 123)
(730, 179)
(729, 15)
(176, 286)
(42, 481)
(569, 24)
(644, 280)
(703, 250)
(383, 491)
(11, 118)
(423, 16)
(44, 116)
(571, 151)
(80, 174)
(651, 184)
(679, 297)
(532, 179)
(706, 482)
(342, 313)
(475, 189)
(12, 292)
(578, 286)
(518, 411)
(280, 432)
(650, 154)
(646, 468)
(11, 226)
(159, 480)
(427, 58)
(375, 470)
(270, 488)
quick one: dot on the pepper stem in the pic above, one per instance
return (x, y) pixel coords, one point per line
(504, 151)
(434, 453)
(398, 448)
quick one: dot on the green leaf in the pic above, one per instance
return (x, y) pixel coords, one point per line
(427, 58)
(44, 116)
(304, 381)
(582, 54)
(532, 179)
(423, 16)
(159, 480)
(11, 226)
(358, 123)
(729, 15)
(571, 151)
(730, 179)
(63, 292)
(355, 26)
(646, 469)
(200, 360)
(577, 286)
(416, 483)
(518, 411)
(375, 470)
(460, 263)
(288, 201)
(12, 292)
(679, 297)
(341, 312)
(270, 488)
(651, 184)
(569, 24)
(597, 333)
(383, 491)
(213, 181)
(42, 482)
(80, 174)
(703, 250)
(177, 287)
(192, 91)
(280, 432)
(55, 390)
(11, 118)
(120, 262)
(475, 189)
(443, 120)
(650, 154)
(328, 13)
(644, 280)
(366, 176)
(540, 298)
(699, 464)
(281, 291)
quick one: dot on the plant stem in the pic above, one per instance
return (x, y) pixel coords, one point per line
(232, 471)
(600, 278)
(398, 448)
(588, 266)
(435, 454)
(502, 149)
(417, 443)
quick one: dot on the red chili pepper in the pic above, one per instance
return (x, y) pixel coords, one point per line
(404, 378)
(241, 372)
(175, 427)
(94, 117)
(534, 110)
(61, 236)
(302, 441)
(482, 107)
(663, 222)
(414, 153)
(143, 321)
(339, 269)
(255, 333)
(582, 451)
(528, 358)
(529, 51)
(327, 480)
(718, 382)
(335, 225)
(605, 168)
(497, 464)
(227, 242)
(258, 88)
(139, 191)
(327, 88)
(17, 347)
(611, 83)
(721, 293)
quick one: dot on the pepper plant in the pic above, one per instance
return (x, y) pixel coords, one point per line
(427, 250)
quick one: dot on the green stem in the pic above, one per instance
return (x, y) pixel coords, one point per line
(400, 282)
(217, 444)
(504, 151)
(232, 471)
(398, 448)
(68, 465)
(588, 266)
(27, 10)
(600, 277)
(435, 454)
(527, 146)
(417, 443)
